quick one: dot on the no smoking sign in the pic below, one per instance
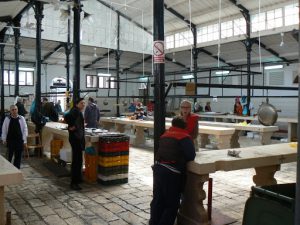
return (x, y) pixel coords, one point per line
(158, 52)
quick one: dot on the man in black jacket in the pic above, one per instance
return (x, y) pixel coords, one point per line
(175, 150)
(76, 138)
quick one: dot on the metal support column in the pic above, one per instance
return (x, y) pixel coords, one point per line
(68, 52)
(2, 35)
(117, 57)
(16, 29)
(76, 50)
(297, 201)
(248, 43)
(159, 74)
(38, 9)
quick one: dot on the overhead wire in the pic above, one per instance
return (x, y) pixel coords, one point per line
(190, 12)
(109, 41)
(259, 47)
(219, 41)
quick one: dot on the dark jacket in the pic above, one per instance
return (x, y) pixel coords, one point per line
(75, 118)
(21, 109)
(92, 115)
(48, 110)
(176, 148)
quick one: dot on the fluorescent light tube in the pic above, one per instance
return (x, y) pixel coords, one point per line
(190, 76)
(222, 72)
(104, 74)
(273, 67)
(26, 69)
(144, 79)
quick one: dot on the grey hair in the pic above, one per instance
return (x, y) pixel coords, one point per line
(186, 101)
(12, 107)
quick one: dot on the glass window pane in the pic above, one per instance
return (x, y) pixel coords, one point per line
(29, 78)
(22, 78)
(12, 77)
(5, 77)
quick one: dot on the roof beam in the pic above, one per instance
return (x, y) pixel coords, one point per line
(215, 57)
(179, 16)
(138, 63)
(240, 6)
(295, 34)
(177, 63)
(270, 50)
(52, 52)
(5, 19)
(98, 59)
(123, 15)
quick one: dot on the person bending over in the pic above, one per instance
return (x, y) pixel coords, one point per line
(169, 170)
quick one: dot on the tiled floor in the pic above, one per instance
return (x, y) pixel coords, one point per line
(45, 199)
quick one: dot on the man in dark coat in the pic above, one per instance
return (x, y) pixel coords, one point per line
(91, 114)
(21, 109)
(75, 123)
(175, 150)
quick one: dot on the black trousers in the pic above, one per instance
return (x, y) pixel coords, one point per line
(76, 166)
(167, 190)
(15, 148)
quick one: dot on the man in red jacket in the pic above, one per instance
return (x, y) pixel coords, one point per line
(175, 150)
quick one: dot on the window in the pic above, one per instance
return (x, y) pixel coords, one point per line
(226, 29)
(91, 81)
(170, 42)
(183, 39)
(25, 78)
(274, 18)
(239, 26)
(276, 77)
(202, 34)
(291, 14)
(106, 81)
(213, 32)
(258, 22)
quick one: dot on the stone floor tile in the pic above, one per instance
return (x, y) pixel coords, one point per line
(75, 221)
(44, 211)
(54, 219)
(44, 199)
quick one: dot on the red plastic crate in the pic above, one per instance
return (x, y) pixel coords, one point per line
(113, 146)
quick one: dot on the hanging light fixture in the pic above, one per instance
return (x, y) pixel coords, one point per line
(22, 54)
(9, 40)
(87, 17)
(95, 53)
(282, 42)
(174, 60)
(64, 14)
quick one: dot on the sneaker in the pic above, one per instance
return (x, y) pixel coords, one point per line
(75, 187)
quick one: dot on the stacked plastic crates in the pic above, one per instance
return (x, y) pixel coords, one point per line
(55, 146)
(113, 160)
(91, 162)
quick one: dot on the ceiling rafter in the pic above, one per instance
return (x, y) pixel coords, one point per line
(215, 57)
(138, 63)
(177, 63)
(179, 16)
(52, 52)
(295, 34)
(124, 16)
(242, 8)
(270, 50)
(98, 59)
